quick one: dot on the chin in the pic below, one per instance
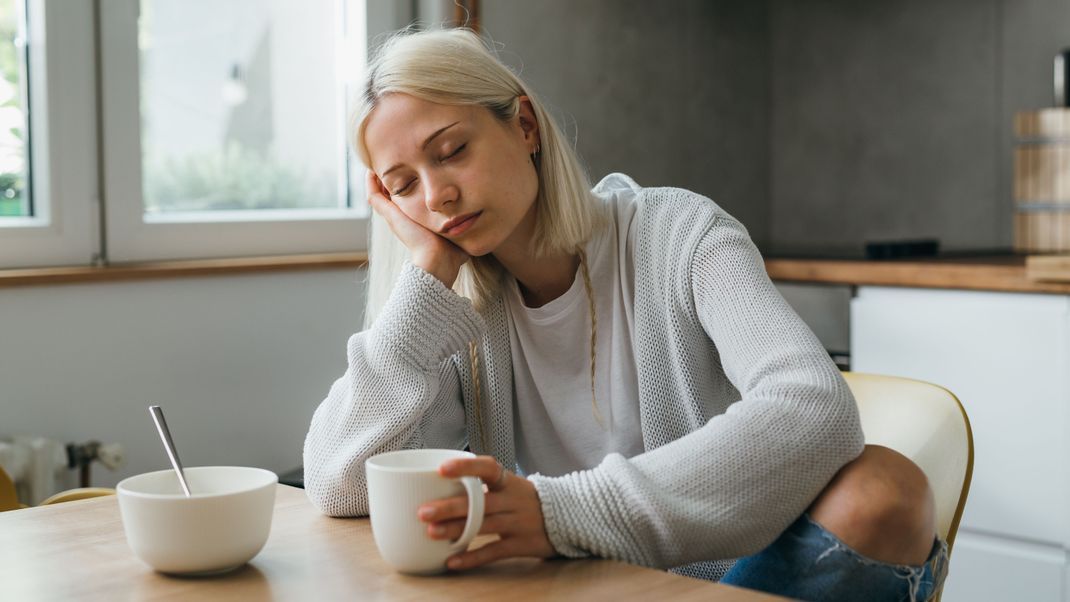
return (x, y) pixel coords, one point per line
(478, 248)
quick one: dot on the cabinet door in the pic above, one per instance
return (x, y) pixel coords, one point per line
(989, 569)
(825, 309)
(1005, 356)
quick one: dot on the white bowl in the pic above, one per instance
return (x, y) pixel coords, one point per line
(221, 527)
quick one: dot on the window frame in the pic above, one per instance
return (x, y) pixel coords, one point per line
(63, 142)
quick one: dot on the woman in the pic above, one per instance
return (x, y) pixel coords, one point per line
(621, 348)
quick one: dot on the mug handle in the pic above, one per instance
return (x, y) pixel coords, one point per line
(474, 487)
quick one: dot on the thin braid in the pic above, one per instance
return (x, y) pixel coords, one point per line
(594, 330)
(473, 355)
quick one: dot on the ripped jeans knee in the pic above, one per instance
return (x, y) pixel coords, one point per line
(807, 562)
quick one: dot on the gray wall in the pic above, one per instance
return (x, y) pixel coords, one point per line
(671, 93)
(238, 364)
(822, 123)
(893, 119)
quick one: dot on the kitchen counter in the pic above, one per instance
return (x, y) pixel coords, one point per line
(995, 273)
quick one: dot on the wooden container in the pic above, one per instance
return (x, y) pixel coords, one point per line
(1042, 181)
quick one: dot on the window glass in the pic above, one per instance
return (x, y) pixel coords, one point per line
(242, 105)
(15, 198)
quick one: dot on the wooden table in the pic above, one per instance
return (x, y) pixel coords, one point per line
(77, 550)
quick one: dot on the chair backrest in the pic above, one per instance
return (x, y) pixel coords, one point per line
(927, 424)
(81, 493)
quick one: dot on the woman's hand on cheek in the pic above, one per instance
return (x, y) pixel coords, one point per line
(512, 511)
(430, 251)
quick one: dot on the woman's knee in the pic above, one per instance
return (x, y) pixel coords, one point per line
(881, 504)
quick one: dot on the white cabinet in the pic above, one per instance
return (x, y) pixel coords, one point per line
(1006, 356)
(992, 568)
(825, 309)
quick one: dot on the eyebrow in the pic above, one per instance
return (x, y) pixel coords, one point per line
(422, 146)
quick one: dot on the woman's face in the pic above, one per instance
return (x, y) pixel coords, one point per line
(457, 170)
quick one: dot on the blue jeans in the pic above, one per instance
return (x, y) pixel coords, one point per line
(807, 562)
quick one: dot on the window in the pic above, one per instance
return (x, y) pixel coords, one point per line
(241, 142)
(237, 113)
(208, 129)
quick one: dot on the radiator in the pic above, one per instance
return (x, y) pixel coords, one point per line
(41, 467)
(38, 466)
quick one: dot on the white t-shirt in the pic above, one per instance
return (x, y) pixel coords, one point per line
(555, 425)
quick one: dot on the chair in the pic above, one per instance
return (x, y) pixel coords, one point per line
(927, 424)
(81, 493)
(9, 499)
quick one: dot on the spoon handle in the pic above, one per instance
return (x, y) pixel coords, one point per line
(169, 445)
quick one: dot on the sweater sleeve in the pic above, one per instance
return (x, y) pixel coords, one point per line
(400, 391)
(729, 488)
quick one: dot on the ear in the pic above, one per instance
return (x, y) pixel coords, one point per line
(528, 123)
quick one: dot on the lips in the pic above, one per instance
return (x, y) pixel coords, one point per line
(460, 224)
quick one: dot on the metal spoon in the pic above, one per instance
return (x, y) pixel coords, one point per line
(169, 445)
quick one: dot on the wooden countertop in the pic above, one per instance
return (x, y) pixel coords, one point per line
(998, 273)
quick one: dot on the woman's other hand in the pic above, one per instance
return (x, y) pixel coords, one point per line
(512, 511)
(430, 251)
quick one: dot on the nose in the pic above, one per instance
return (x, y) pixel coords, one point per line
(439, 192)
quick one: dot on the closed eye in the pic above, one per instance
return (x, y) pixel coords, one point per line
(455, 152)
(401, 191)
(404, 189)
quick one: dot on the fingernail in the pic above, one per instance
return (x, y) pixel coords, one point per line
(426, 513)
(454, 563)
(438, 530)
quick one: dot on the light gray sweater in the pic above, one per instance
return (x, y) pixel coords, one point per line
(744, 417)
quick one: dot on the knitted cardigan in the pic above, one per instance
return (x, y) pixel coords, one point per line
(744, 417)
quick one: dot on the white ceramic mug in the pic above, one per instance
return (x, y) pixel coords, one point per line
(221, 527)
(399, 483)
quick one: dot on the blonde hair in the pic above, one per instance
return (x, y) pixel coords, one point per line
(456, 67)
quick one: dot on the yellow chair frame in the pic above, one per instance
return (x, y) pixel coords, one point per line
(9, 500)
(80, 493)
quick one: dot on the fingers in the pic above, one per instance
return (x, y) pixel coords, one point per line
(411, 233)
(457, 507)
(503, 548)
(376, 193)
(379, 200)
(493, 524)
(484, 467)
(445, 509)
(375, 185)
(513, 512)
